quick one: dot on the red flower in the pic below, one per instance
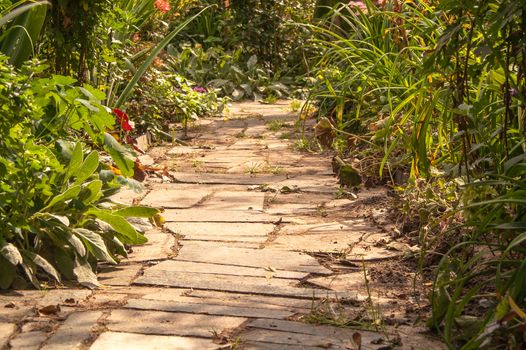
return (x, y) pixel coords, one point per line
(123, 120)
(162, 5)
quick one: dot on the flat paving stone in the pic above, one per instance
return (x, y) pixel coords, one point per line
(234, 200)
(228, 179)
(175, 198)
(169, 323)
(335, 242)
(27, 340)
(341, 283)
(256, 240)
(6, 329)
(186, 150)
(203, 215)
(230, 299)
(75, 330)
(158, 247)
(59, 296)
(121, 275)
(255, 345)
(357, 225)
(281, 339)
(207, 308)
(193, 230)
(229, 283)
(127, 196)
(248, 300)
(259, 258)
(290, 332)
(130, 341)
(412, 337)
(193, 267)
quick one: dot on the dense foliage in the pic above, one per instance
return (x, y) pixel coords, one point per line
(433, 93)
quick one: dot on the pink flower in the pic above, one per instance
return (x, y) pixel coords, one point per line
(162, 5)
(200, 89)
(123, 120)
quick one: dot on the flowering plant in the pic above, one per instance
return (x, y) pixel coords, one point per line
(162, 5)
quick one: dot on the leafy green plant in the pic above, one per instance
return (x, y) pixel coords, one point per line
(56, 219)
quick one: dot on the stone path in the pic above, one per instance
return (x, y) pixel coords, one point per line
(259, 243)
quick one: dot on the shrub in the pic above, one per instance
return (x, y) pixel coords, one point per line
(56, 219)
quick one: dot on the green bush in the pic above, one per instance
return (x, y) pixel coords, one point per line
(55, 216)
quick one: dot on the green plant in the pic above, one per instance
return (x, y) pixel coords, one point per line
(277, 125)
(52, 219)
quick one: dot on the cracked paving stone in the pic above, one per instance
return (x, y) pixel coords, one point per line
(203, 215)
(227, 179)
(229, 283)
(129, 341)
(28, 340)
(6, 329)
(159, 246)
(235, 200)
(207, 308)
(195, 230)
(259, 258)
(176, 198)
(170, 323)
(241, 271)
(74, 331)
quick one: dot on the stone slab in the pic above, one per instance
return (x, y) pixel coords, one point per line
(341, 283)
(158, 247)
(202, 215)
(228, 283)
(256, 240)
(74, 331)
(411, 336)
(246, 300)
(290, 332)
(256, 345)
(175, 198)
(170, 323)
(207, 308)
(259, 258)
(129, 341)
(28, 340)
(193, 230)
(230, 299)
(6, 329)
(227, 179)
(357, 225)
(234, 200)
(121, 275)
(185, 150)
(127, 196)
(192, 267)
(282, 340)
(59, 296)
(331, 243)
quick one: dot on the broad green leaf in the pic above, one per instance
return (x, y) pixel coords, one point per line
(77, 244)
(44, 264)
(11, 253)
(70, 193)
(76, 161)
(85, 274)
(95, 244)
(90, 165)
(22, 34)
(92, 192)
(137, 212)
(120, 225)
(120, 155)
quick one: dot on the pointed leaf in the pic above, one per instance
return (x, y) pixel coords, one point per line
(95, 244)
